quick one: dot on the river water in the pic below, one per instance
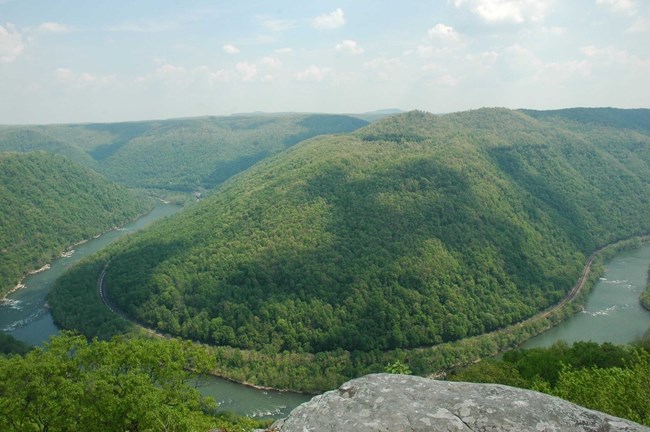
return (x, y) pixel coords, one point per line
(25, 316)
(613, 312)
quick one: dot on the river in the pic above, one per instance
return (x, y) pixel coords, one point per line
(612, 312)
(25, 316)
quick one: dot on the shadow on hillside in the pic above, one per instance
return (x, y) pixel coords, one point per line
(414, 258)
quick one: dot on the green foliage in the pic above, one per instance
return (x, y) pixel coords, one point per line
(176, 155)
(414, 231)
(490, 371)
(11, 345)
(644, 298)
(620, 391)
(609, 378)
(120, 385)
(398, 368)
(418, 230)
(634, 119)
(48, 203)
(81, 309)
(546, 363)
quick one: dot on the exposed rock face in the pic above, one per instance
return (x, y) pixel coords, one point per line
(394, 403)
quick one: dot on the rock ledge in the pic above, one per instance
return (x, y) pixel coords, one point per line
(394, 403)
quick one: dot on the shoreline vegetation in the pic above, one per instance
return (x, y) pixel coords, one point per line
(404, 240)
(312, 373)
(50, 204)
(644, 298)
(67, 252)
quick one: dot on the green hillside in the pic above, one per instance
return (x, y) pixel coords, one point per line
(47, 203)
(178, 154)
(416, 230)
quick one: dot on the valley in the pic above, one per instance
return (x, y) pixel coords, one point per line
(407, 240)
(418, 230)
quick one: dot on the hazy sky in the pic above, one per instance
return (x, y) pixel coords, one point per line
(101, 60)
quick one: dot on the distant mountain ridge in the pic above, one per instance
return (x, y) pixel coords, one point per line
(415, 230)
(176, 154)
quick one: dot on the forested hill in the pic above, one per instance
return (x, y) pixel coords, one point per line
(634, 119)
(47, 203)
(412, 231)
(177, 154)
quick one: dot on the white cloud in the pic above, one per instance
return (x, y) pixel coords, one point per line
(446, 80)
(83, 79)
(276, 25)
(247, 71)
(230, 49)
(427, 51)
(382, 66)
(218, 76)
(483, 61)
(329, 21)
(611, 57)
(144, 27)
(625, 6)
(349, 47)
(64, 74)
(589, 50)
(554, 72)
(555, 31)
(170, 69)
(165, 72)
(283, 51)
(443, 32)
(271, 61)
(11, 43)
(52, 27)
(313, 73)
(382, 63)
(640, 25)
(517, 11)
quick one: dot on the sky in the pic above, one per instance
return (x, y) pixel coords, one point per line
(64, 61)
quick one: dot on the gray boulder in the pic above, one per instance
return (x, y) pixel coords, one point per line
(394, 403)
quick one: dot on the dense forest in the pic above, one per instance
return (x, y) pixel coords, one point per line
(414, 231)
(48, 203)
(71, 384)
(609, 378)
(179, 154)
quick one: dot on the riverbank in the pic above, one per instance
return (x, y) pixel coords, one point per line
(25, 314)
(62, 251)
(335, 367)
(20, 284)
(644, 298)
(314, 373)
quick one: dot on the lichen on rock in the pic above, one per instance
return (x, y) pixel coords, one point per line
(394, 403)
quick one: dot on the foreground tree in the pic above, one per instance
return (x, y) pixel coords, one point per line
(71, 384)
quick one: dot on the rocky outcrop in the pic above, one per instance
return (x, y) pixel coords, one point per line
(394, 403)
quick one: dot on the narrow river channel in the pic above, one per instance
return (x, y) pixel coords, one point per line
(613, 312)
(25, 316)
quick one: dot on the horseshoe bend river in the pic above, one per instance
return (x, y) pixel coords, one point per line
(612, 314)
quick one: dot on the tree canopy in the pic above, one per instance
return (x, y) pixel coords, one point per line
(176, 154)
(48, 203)
(132, 385)
(610, 378)
(414, 231)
